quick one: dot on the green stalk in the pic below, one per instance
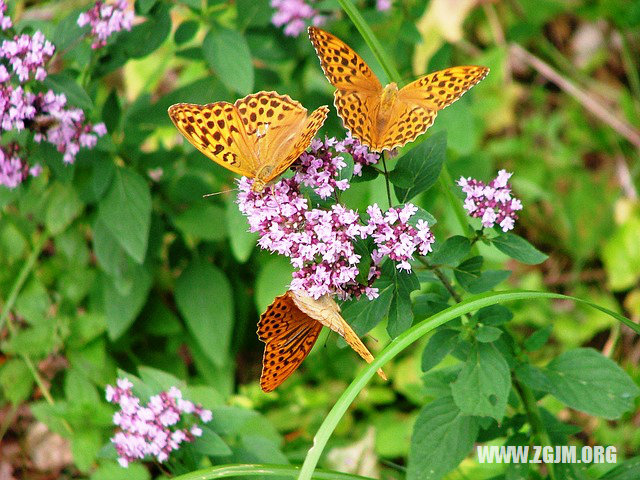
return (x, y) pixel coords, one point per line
(446, 181)
(373, 43)
(22, 277)
(249, 470)
(408, 337)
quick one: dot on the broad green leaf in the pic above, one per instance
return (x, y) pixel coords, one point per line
(202, 220)
(210, 443)
(628, 470)
(126, 211)
(186, 31)
(85, 445)
(419, 169)
(16, 381)
(538, 338)
(33, 341)
(470, 276)
(364, 314)
(421, 214)
(123, 308)
(442, 437)
(451, 252)
(76, 96)
(586, 380)
(204, 298)
(400, 311)
(257, 14)
(63, 207)
(272, 281)
(113, 471)
(77, 389)
(242, 242)
(146, 37)
(482, 387)
(439, 345)
(227, 53)
(518, 248)
(157, 380)
(493, 315)
(488, 334)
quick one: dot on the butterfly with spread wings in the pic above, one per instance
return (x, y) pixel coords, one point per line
(290, 327)
(259, 136)
(386, 118)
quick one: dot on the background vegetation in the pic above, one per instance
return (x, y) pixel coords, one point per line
(100, 259)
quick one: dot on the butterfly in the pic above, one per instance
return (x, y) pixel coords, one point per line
(259, 136)
(386, 118)
(290, 327)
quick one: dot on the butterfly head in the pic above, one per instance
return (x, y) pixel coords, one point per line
(258, 186)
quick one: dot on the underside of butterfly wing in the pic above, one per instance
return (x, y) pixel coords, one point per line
(289, 335)
(406, 121)
(216, 130)
(358, 111)
(327, 312)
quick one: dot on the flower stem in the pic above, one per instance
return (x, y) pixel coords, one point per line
(248, 470)
(374, 44)
(386, 180)
(446, 182)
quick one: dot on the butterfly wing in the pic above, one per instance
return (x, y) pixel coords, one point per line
(358, 90)
(217, 131)
(327, 312)
(289, 335)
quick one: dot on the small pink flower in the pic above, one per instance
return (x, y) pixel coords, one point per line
(106, 19)
(295, 15)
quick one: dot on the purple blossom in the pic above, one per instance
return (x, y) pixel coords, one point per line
(13, 169)
(295, 14)
(105, 20)
(68, 131)
(155, 429)
(360, 154)
(492, 203)
(319, 167)
(28, 54)
(383, 5)
(395, 237)
(16, 105)
(5, 21)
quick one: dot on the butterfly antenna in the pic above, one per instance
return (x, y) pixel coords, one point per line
(219, 193)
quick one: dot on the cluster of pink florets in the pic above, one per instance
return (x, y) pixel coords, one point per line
(295, 15)
(45, 113)
(492, 203)
(320, 243)
(5, 21)
(152, 430)
(395, 237)
(106, 19)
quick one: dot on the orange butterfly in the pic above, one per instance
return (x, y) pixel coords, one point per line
(290, 327)
(386, 118)
(259, 136)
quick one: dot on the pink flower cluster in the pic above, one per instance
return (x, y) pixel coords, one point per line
(383, 5)
(28, 54)
(152, 430)
(320, 243)
(360, 154)
(68, 131)
(13, 169)
(492, 203)
(294, 14)
(5, 21)
(395, 237)
(105, 20)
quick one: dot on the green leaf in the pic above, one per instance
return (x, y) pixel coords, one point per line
(227, 53)
(85, 445)
(586, 380)
(538, 338)
(122, 308)
(77, 389)
(146, 37)
(202, 220)
(400, 311)
(63, 207)
(204, 298)
(145, 5)
(621, 255)
(442, 437)
(364, 314)
(482, 387)
(418, 170)
(16, 381)
(186, 31)
(37, 340)
(493, 315)
(158, 380)
(113, 471)
(451, 252)
(438, 347)
(487, 334)
(421, 214)
(76, 96)
(628, 470)
(242, 242)
(210, 443)
(518, 248)
(126, 211)
(473, 280)
(272, 281)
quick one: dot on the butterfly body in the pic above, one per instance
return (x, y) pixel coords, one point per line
(384, 118)
(290, 327)
(259, 136)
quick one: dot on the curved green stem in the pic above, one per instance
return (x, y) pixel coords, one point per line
(373, 43)
(411, 335)
(22, 277)
(251, 470)
(446, 181)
